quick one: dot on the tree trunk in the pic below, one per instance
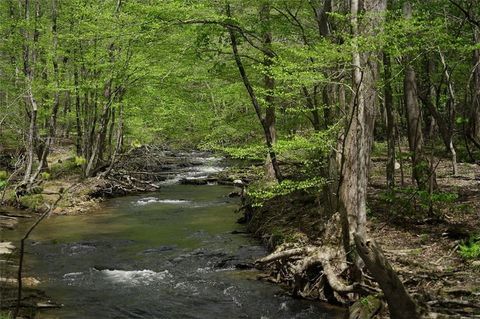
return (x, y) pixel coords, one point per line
(420, 166)
(28, 59)
(52, 125)
(390, 121)
(400, 304)
(32, 132)
(475, 109)
(269, 139)
(365, 77)
(269, 84)
(415, 135)
(78, 115)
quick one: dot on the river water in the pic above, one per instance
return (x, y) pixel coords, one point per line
(170, 254)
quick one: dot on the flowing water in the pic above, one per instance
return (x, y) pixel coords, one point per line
(170, 254)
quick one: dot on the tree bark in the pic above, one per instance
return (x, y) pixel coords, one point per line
(400, 304)
(29, 98)
(420, 166)
(52, 124)
(365, 76)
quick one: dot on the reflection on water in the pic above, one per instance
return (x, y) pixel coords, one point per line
(170, 254)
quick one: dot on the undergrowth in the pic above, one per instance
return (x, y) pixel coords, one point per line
(470, 249)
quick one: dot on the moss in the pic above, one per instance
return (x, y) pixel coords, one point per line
(277, 237)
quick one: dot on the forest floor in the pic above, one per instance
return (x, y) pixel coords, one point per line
(422, 247)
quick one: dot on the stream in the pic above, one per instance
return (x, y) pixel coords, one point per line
(169, 254)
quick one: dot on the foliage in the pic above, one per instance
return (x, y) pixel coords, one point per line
(67, 167)
(5, 315)
(250, 152)
(414, 203)
(45, 175)
(3, 179)
(470, 249)
(80, 161)
(262, 193)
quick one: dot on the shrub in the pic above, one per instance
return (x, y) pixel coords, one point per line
(3, 175)
(80, 161)
(262, 193)
(5, 315)
(68, 167)
(470, 249)
(45, 175)
(413, 203)
(32, 201)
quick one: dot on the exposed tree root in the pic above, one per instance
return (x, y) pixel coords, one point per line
(317, 271)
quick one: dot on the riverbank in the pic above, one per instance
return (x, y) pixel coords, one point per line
(423, 250)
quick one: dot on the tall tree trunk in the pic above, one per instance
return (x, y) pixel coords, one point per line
(387, 69)
(32, 131)
(420, 165)
(475, 109)
(446, 124)
(52, 126)
(415, 136)
(269, 84)
(78, 115)
(365, 76)
(269, 139)
(30, 102)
